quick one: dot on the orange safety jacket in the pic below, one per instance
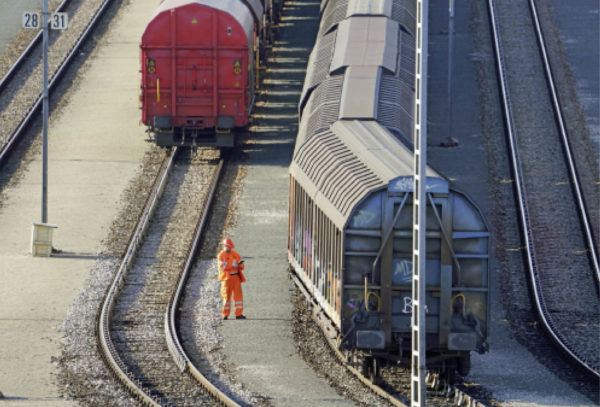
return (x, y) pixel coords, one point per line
(229, 266)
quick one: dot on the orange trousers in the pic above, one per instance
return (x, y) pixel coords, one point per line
(229, 287)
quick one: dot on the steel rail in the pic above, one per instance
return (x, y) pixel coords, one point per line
(543, 313)
(34, 110)
(565, 141)
(460, 397)
(107, 347)
(173, 343)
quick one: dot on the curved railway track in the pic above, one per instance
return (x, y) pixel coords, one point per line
(137, 322)
(559, 245)
(12, 84)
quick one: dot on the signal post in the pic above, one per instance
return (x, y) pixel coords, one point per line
(41, 240)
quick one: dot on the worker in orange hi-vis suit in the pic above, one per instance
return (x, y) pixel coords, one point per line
(231, 277)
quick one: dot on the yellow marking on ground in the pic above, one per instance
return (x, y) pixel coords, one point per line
(514, 249)
(507, 181)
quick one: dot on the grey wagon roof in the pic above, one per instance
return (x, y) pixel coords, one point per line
(369, 7)
(334, 11)
(362, 69)
(341, 165)
(366, 41)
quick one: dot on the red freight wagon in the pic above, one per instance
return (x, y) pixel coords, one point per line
(198, 68)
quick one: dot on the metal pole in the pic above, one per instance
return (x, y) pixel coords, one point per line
(45, 120)
(450, 59)
(418, 353)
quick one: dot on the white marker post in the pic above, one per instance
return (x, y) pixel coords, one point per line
(60, 21)
(418, 361)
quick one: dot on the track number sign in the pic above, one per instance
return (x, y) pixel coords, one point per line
(58, 21)
(32, 20)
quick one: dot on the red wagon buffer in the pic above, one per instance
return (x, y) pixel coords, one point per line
(198, 64)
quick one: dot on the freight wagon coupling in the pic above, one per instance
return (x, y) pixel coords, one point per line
(194, 137)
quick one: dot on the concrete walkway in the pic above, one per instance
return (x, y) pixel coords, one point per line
(96, 146)
(579, 25)
(262, 346)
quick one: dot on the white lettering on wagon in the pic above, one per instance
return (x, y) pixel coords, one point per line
(408, 306)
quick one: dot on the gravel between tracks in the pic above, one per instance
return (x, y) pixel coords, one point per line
(82, 373)
(139, 314)
(512, 304)
(579, 134)
(202, 341)
(563, 265)
(312, 345)
(202, 304)
(20, 96)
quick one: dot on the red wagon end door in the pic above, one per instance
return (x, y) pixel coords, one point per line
(196, 88)
(200, 80)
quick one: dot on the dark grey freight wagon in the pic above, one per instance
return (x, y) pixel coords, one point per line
(351, 194)
(351, 237)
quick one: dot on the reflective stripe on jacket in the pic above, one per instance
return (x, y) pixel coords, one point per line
(229, 266)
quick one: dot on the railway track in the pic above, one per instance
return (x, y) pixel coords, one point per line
(559, 244)
(21, 87)
(137, 323)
